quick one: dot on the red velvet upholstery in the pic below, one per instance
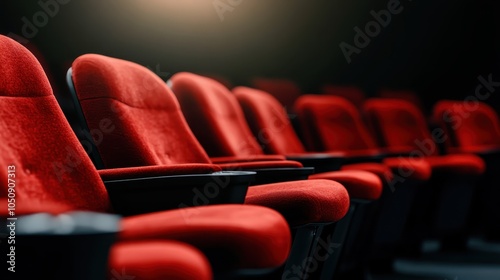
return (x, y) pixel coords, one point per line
(139, 107)
(268, 121)
(359, 184)
(470, 127)
(310, 205)
(156, 260)
(102, 76)
(402, 127)
(37, 139)
(156, 170)
(331, 123)
(264, 113)
(265, 234)
(49, 168)
(286, 91)
(211, 114)
(381, 170)
(352, 93)
(398, 124)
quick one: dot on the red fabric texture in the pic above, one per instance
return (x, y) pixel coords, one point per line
(218, 160)
(40, 143)
(352, 93)
(137, 105)
(257, 236)
(155, 260)
(416, 169)
(33, 206)
(285, 91)
(359, 184)
(302, 202)
(469, 126)
(399, 125)
(268, 121)
(214, 116)
(264, 113)
(156, 170)
(331, 123)
(381, 170)
(101, 79)
(49, 162)
(460, 163)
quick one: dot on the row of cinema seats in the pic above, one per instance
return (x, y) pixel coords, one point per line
(251, 207)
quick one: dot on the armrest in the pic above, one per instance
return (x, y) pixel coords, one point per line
(145, 195)
(364, 156)
(156, 170)
(322, 162)
(272, 171)
(217, 160)
(74, 240)
(478, 150)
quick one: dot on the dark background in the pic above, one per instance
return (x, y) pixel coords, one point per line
(437, 48)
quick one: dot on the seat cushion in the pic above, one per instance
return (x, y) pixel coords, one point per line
(415, 169)
(457, 163)
(303, 202)
(253, 236)
(157, 260)
(359, 184)
(379, 169)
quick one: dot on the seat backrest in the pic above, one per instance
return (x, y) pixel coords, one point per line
(268, 122)
(468, 124)
(143, 121)
(352, 93)
(403, 94)
(284, 90)
(399, 125)
(331, 123)
(49, 164)
(214, 115)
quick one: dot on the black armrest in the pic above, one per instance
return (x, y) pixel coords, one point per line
(282, 174)
(367, 158)
(145, 195)
(79, 242)
(320, 162)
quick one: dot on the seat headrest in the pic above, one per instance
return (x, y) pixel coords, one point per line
(21, 73)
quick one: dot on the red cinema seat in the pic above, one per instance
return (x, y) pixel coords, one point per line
(474, 127)
(333, 124)
(157, 134)
(217, 120)
(401, 128)
(39, 142)
(402, 94)
(271, 128)
(86, 251)
(286, 91)
(354, 94)
(471, 126)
